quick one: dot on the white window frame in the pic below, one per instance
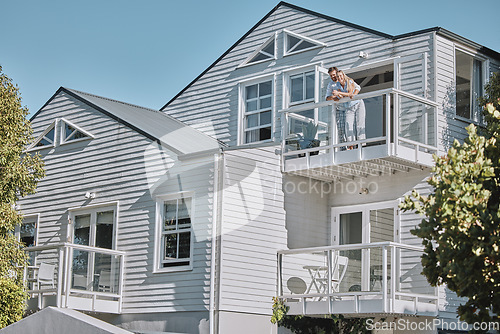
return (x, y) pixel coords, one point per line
(158, 251)
(286, 32)
(485, 76)
(92, 210)
(274, 38)
(242, 108)
(52, 125)
(35, 218)
(63, 136)
(287, 83)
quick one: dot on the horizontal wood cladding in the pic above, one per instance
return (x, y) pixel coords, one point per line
(253, 229)
(122, 165)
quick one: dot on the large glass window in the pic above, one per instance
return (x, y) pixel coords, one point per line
(469, 85)
(257, 121)
(176, 233)
(302, 87)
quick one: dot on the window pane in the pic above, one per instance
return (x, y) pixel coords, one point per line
(68, 129)
(251, 92)
(50, 135)
(297, 89)
(170, 215)
(265, 118)
(309, 86)
(82, 230)
(170, 246)
(304, 45)
(252, 105)
(43, 142)
(265, 133)
(184, 245)
(184, 215)
(104, 229)
(269, 48)
(463, 83)
(27, 235)
(292, 41)
(265, 103)
(265, 88)
(252, 120)
(252, 136)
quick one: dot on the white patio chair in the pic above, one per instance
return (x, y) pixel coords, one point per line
(46, 274)
(339, 269)
(105, 281)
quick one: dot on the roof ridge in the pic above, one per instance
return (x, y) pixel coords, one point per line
(128, 104)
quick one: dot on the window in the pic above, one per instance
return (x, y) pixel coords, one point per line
(295, 43)
(469, 81)
(63, 129)
(302, 87)
(265, 52)
(47, 138)
(258, 111)
(72, 133)
(27, 232)
(94, 227)
(175, 232)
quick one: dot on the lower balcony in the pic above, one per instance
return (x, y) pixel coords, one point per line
(357, 280)
(400, 135)
(75, 276)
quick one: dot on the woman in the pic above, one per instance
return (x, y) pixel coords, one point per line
(351, 114)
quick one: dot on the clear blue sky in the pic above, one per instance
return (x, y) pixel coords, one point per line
(145, 52)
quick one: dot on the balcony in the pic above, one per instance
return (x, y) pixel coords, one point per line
(358, 279)
(75, 276)
(401, 135)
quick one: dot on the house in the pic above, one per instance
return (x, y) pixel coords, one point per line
(190, 219)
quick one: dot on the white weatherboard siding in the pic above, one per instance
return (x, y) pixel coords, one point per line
(253, 229)
(121, 165)
(211, 103)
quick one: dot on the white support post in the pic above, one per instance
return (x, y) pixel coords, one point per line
(333, 133)
(120, 282)
(397, 110)
(329, 278)
(284, 126)
(384, 277)
(393, 277)
(388, 122)
(69, 271)
(279, 289)
(60, 271)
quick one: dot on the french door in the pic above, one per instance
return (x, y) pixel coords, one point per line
(362, 225)
(94, 228)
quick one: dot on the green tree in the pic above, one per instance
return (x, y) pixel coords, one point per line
(19, 175)
(461, 231)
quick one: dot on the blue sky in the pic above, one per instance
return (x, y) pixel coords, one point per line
(145, 52)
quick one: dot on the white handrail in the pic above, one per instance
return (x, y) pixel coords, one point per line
(351, 247)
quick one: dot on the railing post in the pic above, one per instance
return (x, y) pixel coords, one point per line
(279, 288)
(60, 273)
(384, 277)
(333, 133)
(397, 110)
(120, 280)
(284, 125)
(69, 257)
(388, 122)
(393, 277)
(329, 279)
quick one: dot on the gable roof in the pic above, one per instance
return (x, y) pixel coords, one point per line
(153, 124)
(438, 30)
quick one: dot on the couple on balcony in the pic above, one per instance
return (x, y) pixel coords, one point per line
(350, 115)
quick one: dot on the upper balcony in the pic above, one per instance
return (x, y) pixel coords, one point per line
(401, 135)
(75, 276)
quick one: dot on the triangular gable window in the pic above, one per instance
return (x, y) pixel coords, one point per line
(47, 138)
(266, 52)
(295, 43)
(71, 132)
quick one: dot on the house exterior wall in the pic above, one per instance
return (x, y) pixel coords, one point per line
(252, 230)
(121, 165)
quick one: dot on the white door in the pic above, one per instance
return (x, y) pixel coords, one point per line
(364, 224)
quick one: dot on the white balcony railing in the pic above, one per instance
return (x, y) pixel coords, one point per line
(398, 125)
(75, 276)
(376, 278)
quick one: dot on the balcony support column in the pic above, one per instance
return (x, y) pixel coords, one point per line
(384, 277)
